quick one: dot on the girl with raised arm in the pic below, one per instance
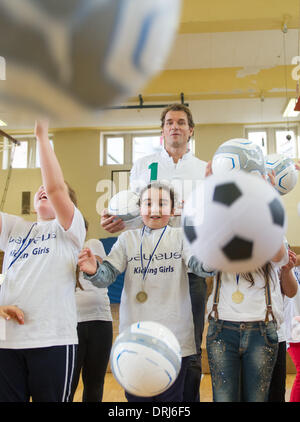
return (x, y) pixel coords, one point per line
(37, 357)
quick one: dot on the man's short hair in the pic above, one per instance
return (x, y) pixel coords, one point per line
(177, 107)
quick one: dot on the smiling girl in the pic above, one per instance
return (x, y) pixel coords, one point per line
(156, 287)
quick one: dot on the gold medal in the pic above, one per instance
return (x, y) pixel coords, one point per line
(141, 296)
(237, 297)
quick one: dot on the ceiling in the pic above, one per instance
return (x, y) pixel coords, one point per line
(231, 59)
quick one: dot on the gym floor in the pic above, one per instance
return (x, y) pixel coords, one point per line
(113, 392)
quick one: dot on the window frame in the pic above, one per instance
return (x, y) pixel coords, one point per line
(271, 136)
(128, 144)
(31, 152)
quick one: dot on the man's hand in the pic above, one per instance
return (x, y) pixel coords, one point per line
(110, 223)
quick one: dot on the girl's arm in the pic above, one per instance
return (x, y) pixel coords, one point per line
(101, 273)
(288, 282)
(52, 177)
(199, 269)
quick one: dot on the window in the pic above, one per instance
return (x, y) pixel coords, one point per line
(24, 155)
(20, 155)
(277, 140)
(259, 138)
(144, 145)
(115, 150)
(286, 143)
(126, 148)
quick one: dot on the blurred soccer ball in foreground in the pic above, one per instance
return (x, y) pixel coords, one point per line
(90, 53)
(146, 359)
(234, 222)
(286, 174)
(239, 154)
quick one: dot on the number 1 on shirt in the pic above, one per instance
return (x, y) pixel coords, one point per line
(153, 174)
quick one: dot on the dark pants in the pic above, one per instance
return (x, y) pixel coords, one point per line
(44, 374)
(94, 345)
(194, 370)
(172, 394)
(278, 380)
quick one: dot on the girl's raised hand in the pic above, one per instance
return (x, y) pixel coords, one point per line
(41, 128)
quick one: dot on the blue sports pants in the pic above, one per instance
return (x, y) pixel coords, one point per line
(43, 374)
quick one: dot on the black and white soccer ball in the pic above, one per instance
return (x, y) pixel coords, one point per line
(146, 358)
(234, 222)
(63, 54)
(286, 174)
(239, 154)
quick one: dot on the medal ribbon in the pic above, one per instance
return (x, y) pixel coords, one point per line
(141, 251)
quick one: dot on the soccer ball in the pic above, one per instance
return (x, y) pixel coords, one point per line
(286, 175)
(146, 359)
(61, 55)
(125, 205)
(234, 222)
(239, 154)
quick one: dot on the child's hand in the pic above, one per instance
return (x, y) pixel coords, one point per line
(41, 129)
(292, 261)
(110, 223)
(87, 261)
(11, 311)
(272, 177)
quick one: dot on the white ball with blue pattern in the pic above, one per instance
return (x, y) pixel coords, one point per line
(146, 359)
(125, 205)
(239, 154)
(286, 174)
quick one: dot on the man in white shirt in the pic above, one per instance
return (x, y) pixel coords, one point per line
(176, 164)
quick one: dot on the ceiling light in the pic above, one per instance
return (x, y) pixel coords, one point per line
(289, 109)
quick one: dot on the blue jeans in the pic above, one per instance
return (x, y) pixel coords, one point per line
(241, 358)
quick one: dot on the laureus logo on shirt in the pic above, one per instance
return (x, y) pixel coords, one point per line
(19, 240)
(157, 257)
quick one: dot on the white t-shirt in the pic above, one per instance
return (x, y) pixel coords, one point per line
(92, 303)
(253, 307)
(166, 282)
(42, 280)
(184, 175)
